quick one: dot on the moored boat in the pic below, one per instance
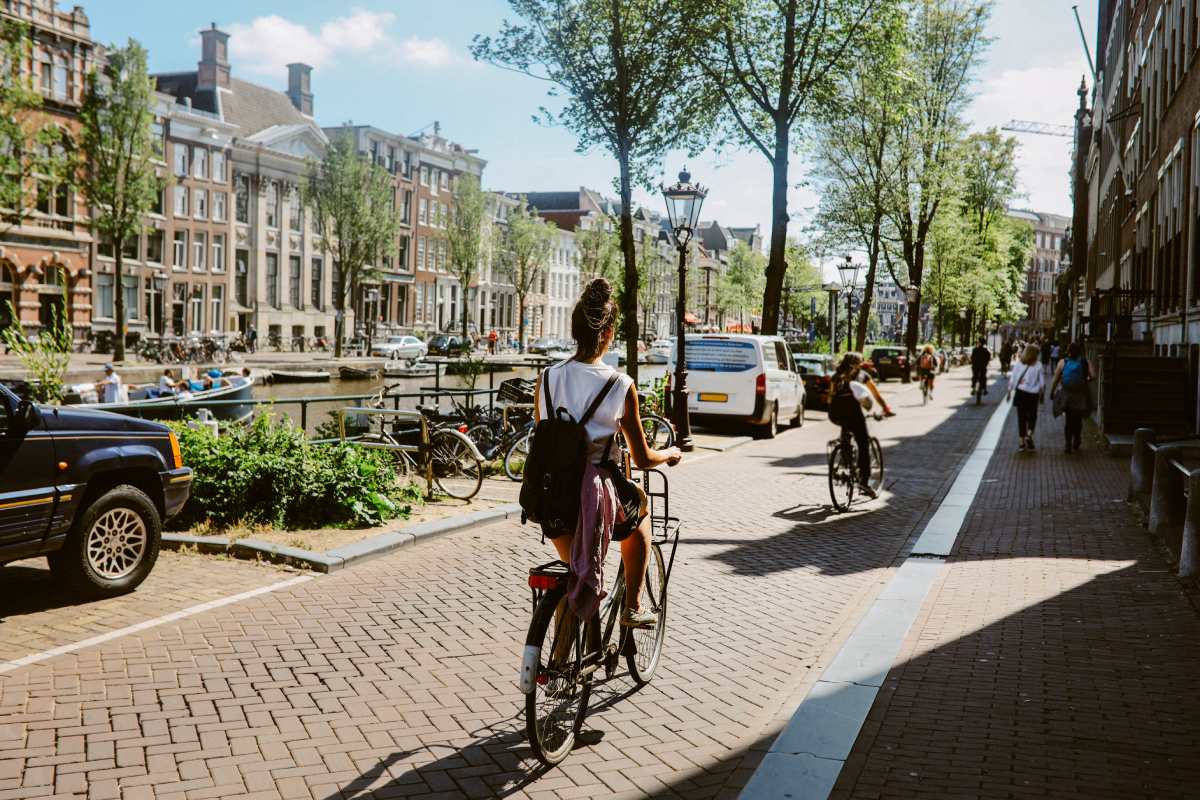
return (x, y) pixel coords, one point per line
(348, 373)
(184, 404)
(300, 376)
(409, 369)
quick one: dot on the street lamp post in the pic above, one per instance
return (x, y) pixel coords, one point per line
(683, 200)
(834, 291)
(849, 274)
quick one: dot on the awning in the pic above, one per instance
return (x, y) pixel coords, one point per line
(394, 277)
(690, 318)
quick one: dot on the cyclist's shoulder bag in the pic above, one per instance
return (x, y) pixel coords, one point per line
(557, 459)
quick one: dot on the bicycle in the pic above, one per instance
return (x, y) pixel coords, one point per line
(926, 388)
(843, 468)
(561, 657)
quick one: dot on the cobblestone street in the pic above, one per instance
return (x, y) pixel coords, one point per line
(397, 678)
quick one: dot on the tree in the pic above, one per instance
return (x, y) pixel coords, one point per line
(599, 250)
(629, 74)
(527, 242)
(33, 161)
(769, 60)
(352, 202)
(801, 285)
(468, 231)
(45, 357)
(989, 176)
(945, 41)
(739, 289)
(118, 175)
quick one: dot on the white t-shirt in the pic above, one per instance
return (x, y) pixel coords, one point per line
(573, 386)
(111, 387)
(166, 384)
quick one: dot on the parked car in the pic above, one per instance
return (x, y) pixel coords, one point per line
(89, 490)
(743, 377)
(890, 362)
(543, 345)
(816, 371)
(400, 347)
(443, 345)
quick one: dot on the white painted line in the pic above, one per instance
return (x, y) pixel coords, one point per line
(806, 758)
(9, 666)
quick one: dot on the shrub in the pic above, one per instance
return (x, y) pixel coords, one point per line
(268, 473)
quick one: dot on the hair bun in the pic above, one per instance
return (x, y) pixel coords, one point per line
(597, 292)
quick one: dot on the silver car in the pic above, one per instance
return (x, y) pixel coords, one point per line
(400, 347)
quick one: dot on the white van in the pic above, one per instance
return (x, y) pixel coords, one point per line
(737, 376)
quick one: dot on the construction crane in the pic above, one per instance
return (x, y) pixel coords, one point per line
(1040, 128)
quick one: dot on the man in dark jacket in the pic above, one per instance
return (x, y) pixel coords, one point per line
(980, 357)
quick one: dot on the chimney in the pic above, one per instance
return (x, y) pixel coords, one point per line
(300, 87)
(213, 70)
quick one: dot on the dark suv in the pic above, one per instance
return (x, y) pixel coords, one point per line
(87, 489)
(890, 362)
(444, 345)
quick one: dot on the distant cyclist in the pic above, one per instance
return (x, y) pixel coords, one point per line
(852, 389)
(980, 357)
(927, 364)
(1006, 356)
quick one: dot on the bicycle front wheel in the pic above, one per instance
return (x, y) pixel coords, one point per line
(841, 477)
(876, 464)
(398, 457)
(555, 709)
(644, 656)
(659, 433)
(457, 472)
(517, 455)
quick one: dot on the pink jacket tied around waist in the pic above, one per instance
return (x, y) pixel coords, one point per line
(598, 512)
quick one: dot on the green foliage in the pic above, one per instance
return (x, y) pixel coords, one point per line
(525, 248)
(468, 232)
(353, 200)
(268, 473)
(989, 177)
(117, 175)
(47, 356)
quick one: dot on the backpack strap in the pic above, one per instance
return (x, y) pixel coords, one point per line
(549, 410)
(587, 415)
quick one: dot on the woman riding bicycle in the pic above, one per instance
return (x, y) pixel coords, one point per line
(852, 390)
(573, 384)
(926, 367)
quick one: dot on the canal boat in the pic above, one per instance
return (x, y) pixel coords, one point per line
(178, 406)
(409, 369)
(300, 376)
(348, 373)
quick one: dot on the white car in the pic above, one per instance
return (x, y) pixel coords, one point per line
(746, 378)
(400, 347)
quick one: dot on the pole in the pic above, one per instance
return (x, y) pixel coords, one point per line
(850, 319)
(683, 428)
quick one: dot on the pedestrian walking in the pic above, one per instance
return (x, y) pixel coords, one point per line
(1074, 373)
(1025, 386)
(252, 339)
(1006, 356)
(1046, 354)
(1055, 353)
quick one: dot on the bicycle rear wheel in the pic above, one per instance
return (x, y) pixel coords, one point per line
(555, 709)
(659, 433)
(398, 458)
(648, 642)
(457, 472)
(517, 455)
(876, 464)
(841, 476)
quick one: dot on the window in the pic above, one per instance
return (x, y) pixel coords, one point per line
(406, 164)
(218, 252)
(391, 159)
(423, 211)
(179, 251)
(273, 205)
(295, 212)
(178, 305)
(199, 162)
(157, 136)
(154, 246)
(104, 296)
(242, 198)
(273, 280)
(180, 152)
(424, 176)
(445, 180)
(402, 257)
(160, 201)
(406, 207)
(294, 281)
(130, 248)
(317, 287)
(419, 306)
(45, 70)
(130, 293)
(217, 300)
(180, 194)
(420, 252)
(200, 203)
(60, 77)
(443, 215)
(218, 166)
(197, 311)
(218, 209)
(241, 277)
(199, 245)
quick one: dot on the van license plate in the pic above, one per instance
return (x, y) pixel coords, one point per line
(710, 397)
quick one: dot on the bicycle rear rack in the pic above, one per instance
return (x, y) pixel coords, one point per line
(663, 527)
(546, 577)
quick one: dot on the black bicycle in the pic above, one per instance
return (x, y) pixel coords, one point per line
(563, 654)
(843, 468)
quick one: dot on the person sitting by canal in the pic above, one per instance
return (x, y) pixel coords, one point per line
(216, 378)
(846, 409)
(108, 388)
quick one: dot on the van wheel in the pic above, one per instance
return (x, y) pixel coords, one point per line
(112, 546)
(771, 427)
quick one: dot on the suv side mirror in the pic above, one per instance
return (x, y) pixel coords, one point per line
(27, 416)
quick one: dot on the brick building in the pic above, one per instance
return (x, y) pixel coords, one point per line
(1044, 269)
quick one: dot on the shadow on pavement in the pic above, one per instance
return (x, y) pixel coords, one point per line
(28, 590)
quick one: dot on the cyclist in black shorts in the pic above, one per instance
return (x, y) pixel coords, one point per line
(846, 410)
(980, 358)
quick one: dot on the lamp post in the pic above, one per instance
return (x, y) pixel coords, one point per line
(849, 274)
(683, 200)
(834, 290)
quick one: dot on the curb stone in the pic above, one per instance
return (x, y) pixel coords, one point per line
(344, 556)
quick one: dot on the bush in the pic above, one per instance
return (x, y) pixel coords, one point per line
(268, 473)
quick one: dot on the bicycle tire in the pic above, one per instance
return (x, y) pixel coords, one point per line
(457, 472)
(556, 685)
(840, 479)
(516, 456)
(646, 653)
(660, 434)
(876, 464)
(398, 458)
(483, 436)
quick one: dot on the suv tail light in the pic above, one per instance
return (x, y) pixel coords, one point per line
(760, 384)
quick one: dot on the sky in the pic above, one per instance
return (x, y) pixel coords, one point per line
(402, 65)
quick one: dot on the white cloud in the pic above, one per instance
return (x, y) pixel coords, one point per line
(267, 44)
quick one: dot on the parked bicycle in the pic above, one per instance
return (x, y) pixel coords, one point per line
(450, 457)
(563, 655)
(843, 468)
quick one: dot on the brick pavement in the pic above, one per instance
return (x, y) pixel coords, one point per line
(1056, 656)
(396, 678)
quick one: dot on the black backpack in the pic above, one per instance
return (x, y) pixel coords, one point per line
(554, 468)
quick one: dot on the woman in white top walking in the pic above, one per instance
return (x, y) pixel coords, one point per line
(573, 384)
(1027, 380)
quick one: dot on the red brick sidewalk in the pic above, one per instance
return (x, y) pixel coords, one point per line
(1055, 657)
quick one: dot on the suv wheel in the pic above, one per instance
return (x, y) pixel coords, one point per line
(113, 545)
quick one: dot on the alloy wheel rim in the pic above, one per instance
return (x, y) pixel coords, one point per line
(116, 543)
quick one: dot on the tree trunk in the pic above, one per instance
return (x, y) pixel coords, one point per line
(864, 311)
(916, 265)
(521, 321)
(465, 313)
(777, 258)
(339, 314)
(629, 296)
(118, 298)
